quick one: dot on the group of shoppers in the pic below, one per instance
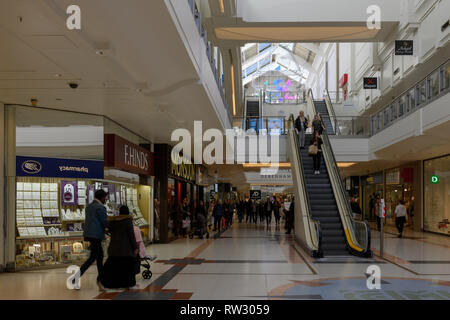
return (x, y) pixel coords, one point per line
(315, 147)
(263, 211)
(223, 213)
(126, 246)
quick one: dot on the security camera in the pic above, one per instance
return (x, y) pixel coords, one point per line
(73, 85)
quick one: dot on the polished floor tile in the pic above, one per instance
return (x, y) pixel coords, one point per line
(251, 262)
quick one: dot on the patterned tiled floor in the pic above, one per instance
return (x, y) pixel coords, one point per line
(252, 262)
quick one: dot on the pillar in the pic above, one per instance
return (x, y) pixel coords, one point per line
(10, 186)
(2, 189)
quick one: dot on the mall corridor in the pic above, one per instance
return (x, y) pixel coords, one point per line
(130, 127)
(249, 262)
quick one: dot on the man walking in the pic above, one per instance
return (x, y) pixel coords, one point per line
(301, 124)
(94, 232)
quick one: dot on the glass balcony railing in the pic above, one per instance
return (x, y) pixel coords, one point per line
(349, 126)
(261, 125)
(209, 53)
(435, 85)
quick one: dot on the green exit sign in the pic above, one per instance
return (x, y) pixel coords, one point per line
(434, 179)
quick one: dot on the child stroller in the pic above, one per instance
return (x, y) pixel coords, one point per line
(145, 263)
(199, 228)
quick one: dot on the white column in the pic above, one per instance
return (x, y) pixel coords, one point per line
(10, 173)
(2, 188)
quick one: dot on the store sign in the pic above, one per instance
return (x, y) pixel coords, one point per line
(407, 175)
(393, 177)
(404, 47)
(343, 80)
(58, 168)
(183, 170)
(127, 156)
(434, 180)
(371, 83)
(202, 176)
(255, 194)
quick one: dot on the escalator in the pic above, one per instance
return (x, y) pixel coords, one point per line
(323, 205)
(322, 109)
(338, 234)
(252, 120)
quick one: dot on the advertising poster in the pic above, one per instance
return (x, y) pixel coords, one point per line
(69, 193)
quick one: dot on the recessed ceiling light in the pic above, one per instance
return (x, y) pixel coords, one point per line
(99, 52)
(59, 99)
(58, 75)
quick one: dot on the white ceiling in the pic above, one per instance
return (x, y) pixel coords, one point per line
(35, 46)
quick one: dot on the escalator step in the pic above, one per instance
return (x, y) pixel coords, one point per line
(334, 246)
(324, 202)
(325, 220)
(331, 226)
(333, 240)
(324, 207)
(320, 196)
(332, 233)
(327, 253)
(325, 214)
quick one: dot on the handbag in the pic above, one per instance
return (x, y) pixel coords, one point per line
(312, 150)
(186, 223)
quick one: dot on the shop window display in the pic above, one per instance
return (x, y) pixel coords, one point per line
(50, 216)
(437, 195)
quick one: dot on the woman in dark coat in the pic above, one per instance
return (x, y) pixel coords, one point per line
(119, 269)
(317, 141)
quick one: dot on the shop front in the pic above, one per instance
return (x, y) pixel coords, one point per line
(133, 165)
(436, 179)
(58, 167)
(174, 183)
(399, 186)
(372, 189)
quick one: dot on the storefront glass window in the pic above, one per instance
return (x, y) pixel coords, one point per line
(437, 195)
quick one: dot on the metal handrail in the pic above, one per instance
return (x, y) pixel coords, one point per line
(349, 221)
(318, 253)
(331, 112)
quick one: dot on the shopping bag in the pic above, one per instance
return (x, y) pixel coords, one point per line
(186, 223)
(312, 150)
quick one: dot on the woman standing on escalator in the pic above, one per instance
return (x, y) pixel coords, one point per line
(316, 141)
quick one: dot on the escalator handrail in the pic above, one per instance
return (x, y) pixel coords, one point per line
(347, 209)
(332, 114)
(318, 228)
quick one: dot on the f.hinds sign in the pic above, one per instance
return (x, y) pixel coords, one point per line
(124, 155)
